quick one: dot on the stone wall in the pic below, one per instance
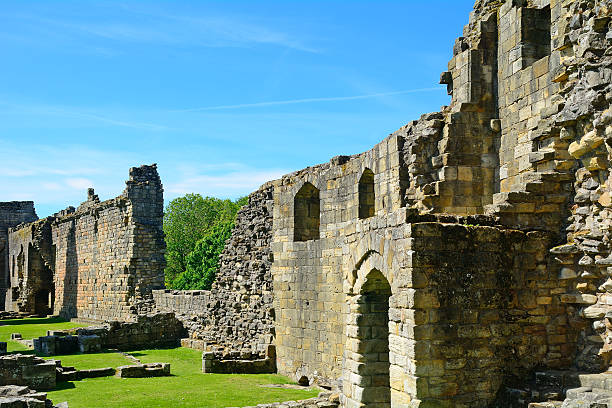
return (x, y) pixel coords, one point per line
(11, 214)
(237, 314)
(110, 254)
(32, 371)
(585, 125)
(31, 270)
(104, 258)
(147, 331)
(487, 308)
(395, 310)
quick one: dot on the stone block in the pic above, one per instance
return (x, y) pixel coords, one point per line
(89, 343)
(143, 370)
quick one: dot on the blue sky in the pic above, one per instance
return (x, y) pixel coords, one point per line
(223, 95)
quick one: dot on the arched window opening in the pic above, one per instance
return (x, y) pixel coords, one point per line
(306, 213)
(366, 194)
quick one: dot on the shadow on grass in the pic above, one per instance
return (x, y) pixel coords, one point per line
(64, 385)
(33, 320)
(24, 352)
(58, 356)
(136, 353)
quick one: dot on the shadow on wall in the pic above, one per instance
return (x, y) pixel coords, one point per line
(71, 273)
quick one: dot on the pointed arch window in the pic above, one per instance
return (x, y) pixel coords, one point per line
(307, 213)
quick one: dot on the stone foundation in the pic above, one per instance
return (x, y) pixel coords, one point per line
(149, 331)
(216, 362)
(12, 396)
(27, 370)
(143, 370)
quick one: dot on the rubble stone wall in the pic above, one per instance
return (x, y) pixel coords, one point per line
(237, 314)
(28, 370)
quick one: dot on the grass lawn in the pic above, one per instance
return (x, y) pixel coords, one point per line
(31, 328)
(186, 387)
(95, 360)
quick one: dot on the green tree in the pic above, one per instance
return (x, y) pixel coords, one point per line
(189, 219)
(203, 261)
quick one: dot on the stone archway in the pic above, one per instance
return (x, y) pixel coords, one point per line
(366, 371)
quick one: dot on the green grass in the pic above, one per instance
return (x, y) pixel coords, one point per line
(31, 328)
(96, 360)
(186, 387)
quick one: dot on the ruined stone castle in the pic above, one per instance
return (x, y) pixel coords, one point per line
(441, 268)
(97, 262)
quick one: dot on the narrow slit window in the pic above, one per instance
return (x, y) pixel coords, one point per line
(366, 194)
(306, 215)
(535, 33)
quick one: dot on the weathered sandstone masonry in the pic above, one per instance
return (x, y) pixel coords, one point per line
(236, 317)
(462, 257)
(11, 214)
(400, 308)
(378, 292)
(97, 262)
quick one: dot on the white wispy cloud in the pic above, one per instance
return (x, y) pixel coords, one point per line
(79, 183)
(85, 114)
(229, 184)
(307, 100)
(55, 177)
(134, 24)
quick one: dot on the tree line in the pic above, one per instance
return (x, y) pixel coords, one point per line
(197, 229)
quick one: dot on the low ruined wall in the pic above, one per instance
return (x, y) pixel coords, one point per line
(237, 313)
(184, 302)
(159, 330)
(148, 331)
(35, 372)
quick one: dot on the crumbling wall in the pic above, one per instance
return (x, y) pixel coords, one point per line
(97, 262)
(467, 306)
(11, 214)
(109, 255)
(28, 370)
(237, 314)
(31, 257)
(585, 126)
(487, 310)
(146, 331)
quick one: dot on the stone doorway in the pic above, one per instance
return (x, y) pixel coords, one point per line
(366, 370)
(42, 302)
